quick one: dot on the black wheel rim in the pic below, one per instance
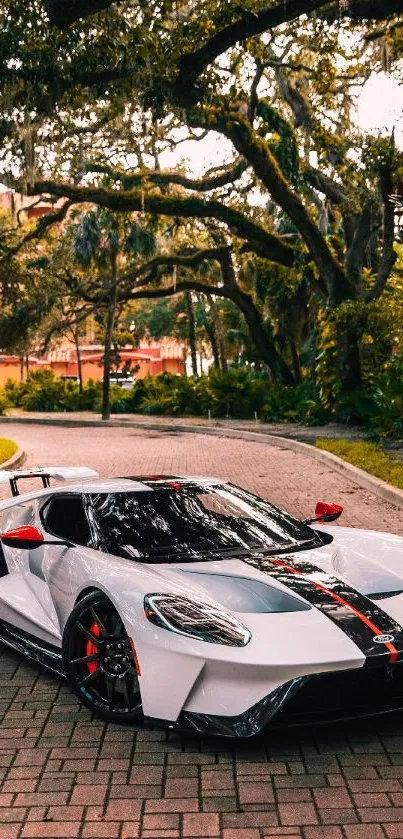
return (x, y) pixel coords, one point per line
(102, 661)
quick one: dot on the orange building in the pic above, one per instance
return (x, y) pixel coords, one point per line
(150, 359)
(30, 207)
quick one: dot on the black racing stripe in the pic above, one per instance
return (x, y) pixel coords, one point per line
(304, 579)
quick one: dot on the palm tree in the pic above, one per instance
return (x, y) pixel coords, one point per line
(105, 242)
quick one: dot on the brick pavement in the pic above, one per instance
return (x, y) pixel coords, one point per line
(63, 774)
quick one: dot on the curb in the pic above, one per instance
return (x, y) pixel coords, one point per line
(383, 490)
(16, 460)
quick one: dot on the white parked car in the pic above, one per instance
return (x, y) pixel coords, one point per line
(193, 603)
(123, 380)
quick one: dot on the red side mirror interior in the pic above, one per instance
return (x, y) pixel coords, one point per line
(26, 537)
(327, 512)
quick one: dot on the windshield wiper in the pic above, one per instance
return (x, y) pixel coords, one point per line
(253, 550)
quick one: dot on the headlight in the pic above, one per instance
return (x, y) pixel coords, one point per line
(195, 619)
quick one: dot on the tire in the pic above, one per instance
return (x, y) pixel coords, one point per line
(99, 662)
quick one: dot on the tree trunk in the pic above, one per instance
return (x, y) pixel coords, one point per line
(267, 351)
(110, 322)
(191, 332)
(349, 359)
(219, 333)
(79, 362)
(211, 334)
(296, 365)
(21, 368)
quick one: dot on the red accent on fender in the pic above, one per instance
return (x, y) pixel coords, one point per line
(26, 532)
(394, 653)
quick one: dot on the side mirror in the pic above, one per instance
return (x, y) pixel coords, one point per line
(325, 512)
(27, 537)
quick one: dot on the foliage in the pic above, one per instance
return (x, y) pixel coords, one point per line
(295, 404)
(369, 456)
(93, 110)
(42, 391)
(7, 449)
(387, 418)
(241, 393)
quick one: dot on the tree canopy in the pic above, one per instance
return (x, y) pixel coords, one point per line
(300, 211)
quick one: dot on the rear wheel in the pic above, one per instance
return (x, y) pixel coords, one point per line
(99, 660)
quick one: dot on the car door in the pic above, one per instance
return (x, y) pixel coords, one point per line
(24, 603)
(63, 517)
(37, 578)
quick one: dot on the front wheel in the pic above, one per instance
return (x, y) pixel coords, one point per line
(99, 660)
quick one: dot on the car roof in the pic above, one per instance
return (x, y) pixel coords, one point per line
(146, 483)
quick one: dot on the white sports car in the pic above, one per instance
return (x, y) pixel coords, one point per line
(192, 603)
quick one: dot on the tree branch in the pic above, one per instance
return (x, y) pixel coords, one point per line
(256, 150)
(169, 261)
(249, 24)
(389, 255)
(42, 225)
(206, 184)
(64, 12)
(326, 185)
(192, 65)
(303, 114)
(184, 207)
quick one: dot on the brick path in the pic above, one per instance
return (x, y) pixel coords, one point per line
(66, 775)
(307, 433)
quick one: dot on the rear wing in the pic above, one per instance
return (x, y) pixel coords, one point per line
(59, 473)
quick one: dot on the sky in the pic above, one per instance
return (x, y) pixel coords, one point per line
(379, 109)
(380, 106)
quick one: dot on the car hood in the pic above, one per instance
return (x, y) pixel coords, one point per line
(368, 561)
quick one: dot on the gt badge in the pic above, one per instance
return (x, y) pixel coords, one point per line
(383, 639)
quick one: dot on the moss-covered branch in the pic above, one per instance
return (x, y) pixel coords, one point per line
(326, 185)
(263, 343)
(249, 144)
(170, 260)
(130, 179)
(266, 243)
(249, 24)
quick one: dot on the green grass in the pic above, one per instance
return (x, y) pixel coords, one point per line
(7, 449)
(367, 456)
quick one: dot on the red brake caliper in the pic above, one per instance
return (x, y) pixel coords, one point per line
(92, 649)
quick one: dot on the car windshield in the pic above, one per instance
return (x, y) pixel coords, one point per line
(191, 521)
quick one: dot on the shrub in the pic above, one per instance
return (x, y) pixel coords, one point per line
(7, 449)
(240, 393)
(295, 404)
(42, 391)
(356, 408)
(387, 419)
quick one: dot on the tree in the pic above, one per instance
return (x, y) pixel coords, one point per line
(272, 90)
(102, 241)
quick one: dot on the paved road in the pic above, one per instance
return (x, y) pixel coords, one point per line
(66, 775)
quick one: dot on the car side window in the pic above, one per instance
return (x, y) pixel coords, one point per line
(65, 517)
